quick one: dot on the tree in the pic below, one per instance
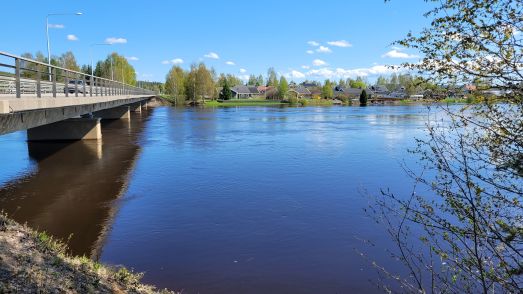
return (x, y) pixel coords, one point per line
(199, 84)
(471, 233)
(259, 80)
(252, 80)
(175, 83)
(86, 69)
(283, 88)
(272, 78)
(359, 83)
(382, 81)
(326, 91)
(118, 67)
(68, 61)
(363, 98)
(231, 80)
(226, 93)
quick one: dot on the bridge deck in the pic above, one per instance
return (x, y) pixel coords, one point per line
(11, 104)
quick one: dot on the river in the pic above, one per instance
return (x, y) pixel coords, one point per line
(222, 200)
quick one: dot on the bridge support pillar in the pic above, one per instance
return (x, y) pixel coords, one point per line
(69, 129)
(4, 106)
(121, 112)
(136, 107)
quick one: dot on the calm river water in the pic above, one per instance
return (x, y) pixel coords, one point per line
(228, 200)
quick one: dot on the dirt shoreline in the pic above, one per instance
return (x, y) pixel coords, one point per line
(33, 262)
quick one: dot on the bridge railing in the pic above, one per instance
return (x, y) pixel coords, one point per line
(21, 76)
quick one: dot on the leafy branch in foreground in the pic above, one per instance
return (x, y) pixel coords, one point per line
(469, 227)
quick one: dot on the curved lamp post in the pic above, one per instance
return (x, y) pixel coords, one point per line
(47, 35)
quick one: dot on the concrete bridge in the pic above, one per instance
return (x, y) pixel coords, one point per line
(54, 103)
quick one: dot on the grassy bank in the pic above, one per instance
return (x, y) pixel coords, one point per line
(34, 262)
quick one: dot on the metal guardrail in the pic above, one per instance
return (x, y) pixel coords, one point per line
(47, 79)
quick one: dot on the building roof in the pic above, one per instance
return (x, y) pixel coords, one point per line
(301, 90)
(241, 89)
(347, 91)
(379, 89)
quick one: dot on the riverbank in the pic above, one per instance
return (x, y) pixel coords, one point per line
(33, 262)
(316, 102)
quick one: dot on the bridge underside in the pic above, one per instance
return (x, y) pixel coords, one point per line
(30, 113)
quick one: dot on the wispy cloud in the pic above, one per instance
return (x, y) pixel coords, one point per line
(310, 52)
(72, 38)
(319, 62)
(323, 49)
(132, 58)
(212, 55)
(243, 70)
(230, 63)
(329, 73)
(294, 74)
(56, 26)
(113, 40)
(313, 43)
(173, 61)
(395, 53)
(305, 67)
(340, 43)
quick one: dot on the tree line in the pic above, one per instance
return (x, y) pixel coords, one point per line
(114, 66)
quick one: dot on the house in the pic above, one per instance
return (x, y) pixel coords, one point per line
(242, 92)
(300, 92)
(379, 90)
(310, 84)
(340, 91)
(264, 89)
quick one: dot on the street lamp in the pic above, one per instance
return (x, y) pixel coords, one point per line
(47, 36)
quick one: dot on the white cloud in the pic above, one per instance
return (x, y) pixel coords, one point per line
(132, 58)
(340, 43)
(147, 76)
(230, 63)
(244, 77)
(296, 75)
(313, 43)
(243, 70)
(212, 55)
(323, 49)
(319, 62)
(329, 73)
(113, 40)
(72, 38)
(56, 26)
(305, 67)
(173, 61)
(395, 53)
(310, 52)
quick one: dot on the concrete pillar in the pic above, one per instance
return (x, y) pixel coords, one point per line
(136, 107)
(69, 129)
(120, 112)
(4, 106)
(144, 104)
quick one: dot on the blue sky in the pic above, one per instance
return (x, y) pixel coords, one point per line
(300, 39)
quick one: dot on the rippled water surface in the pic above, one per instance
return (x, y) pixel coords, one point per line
(229, 200)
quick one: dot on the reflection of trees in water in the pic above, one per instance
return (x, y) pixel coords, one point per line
(201, 129)
(71, 194)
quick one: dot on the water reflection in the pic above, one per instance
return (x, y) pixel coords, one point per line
(71, 193)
